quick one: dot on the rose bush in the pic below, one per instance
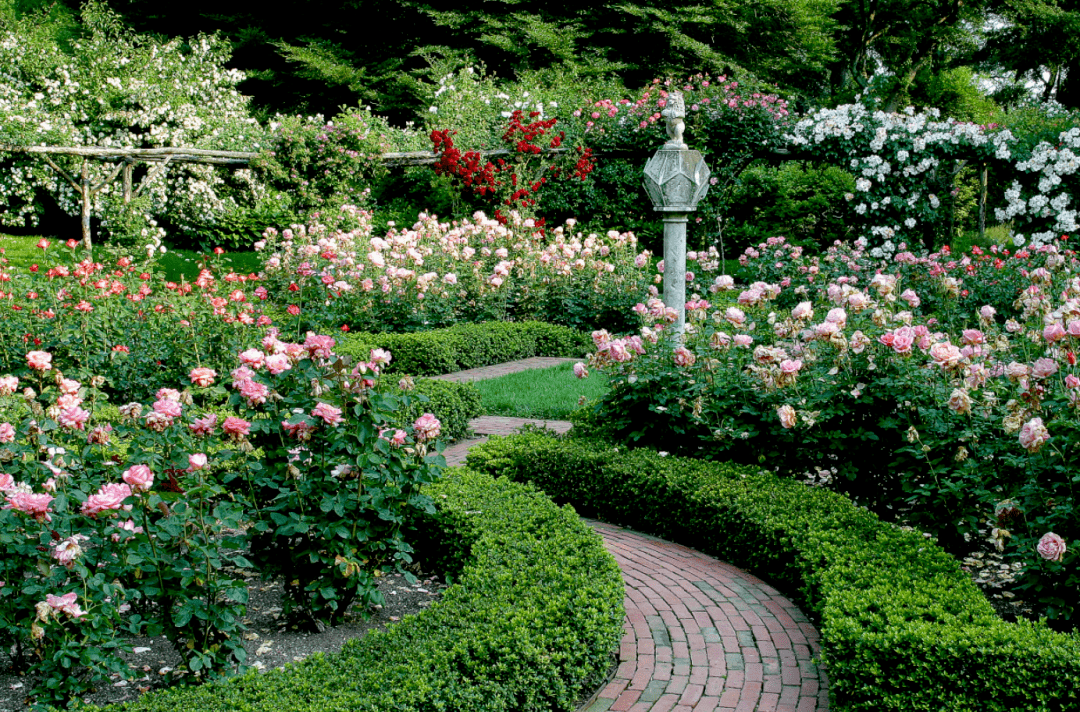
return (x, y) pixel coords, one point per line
(148, 525)
(837, 372)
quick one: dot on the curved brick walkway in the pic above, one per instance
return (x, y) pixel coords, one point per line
(700, 635)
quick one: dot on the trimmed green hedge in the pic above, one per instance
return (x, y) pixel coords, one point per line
(465, 346)
(454, 404)
(531, 622)
(903, 628)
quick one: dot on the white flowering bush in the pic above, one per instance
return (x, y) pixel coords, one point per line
(117, 89)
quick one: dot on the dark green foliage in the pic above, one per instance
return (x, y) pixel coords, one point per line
(465, 346)
(903, 628)
(530, 624)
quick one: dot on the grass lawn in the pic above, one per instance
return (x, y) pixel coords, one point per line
(550, 393)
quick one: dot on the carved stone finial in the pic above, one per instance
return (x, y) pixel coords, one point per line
(673, 114)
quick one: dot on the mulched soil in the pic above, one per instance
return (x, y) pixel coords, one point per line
(270, 640)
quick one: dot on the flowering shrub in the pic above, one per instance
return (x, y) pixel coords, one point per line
(121, 321)
(120, 529)
(437, 273)
(964, 425)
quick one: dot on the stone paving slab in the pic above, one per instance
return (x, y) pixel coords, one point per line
(699, 635)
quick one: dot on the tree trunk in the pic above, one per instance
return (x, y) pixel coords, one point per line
(85, 191)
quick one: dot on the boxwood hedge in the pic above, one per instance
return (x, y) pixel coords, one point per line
(903, 628)
(465, 346)
(531, 622)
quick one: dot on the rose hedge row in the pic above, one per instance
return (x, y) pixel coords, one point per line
(902, 627)
(465, 346)
(530, 623)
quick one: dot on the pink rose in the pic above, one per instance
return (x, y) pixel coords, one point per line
(236, 427)
(684, 358)
(278, 363)
(319, 346)
(253, 358)
(67, 550)
(73, 418)
(744, 340)
(735, 316)
(39, 360)
(579, 370)
(1051, 547)
(329, 414)
(790, 366)
(203, 377)
(168, 408)
(139, 477)
(427, 427)
(204, 426)
(945, 354)
(802, 310)
(380, 356)
(787, 415)
(1054, 332)
(36, 505)
(8, 385)
(110, 497)
(7, 433)
(254, 392)
(1033, 435)
(197, 461)
(1044, 368)
(973, 336)
(65, 604)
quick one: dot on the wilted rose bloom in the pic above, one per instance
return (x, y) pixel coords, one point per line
(8, 385)
(7, 433)
(203, 377)
(1051, 547)
(859, 341)
(960, 401)
(1013, 326)
(580, 370)
(1016, 371)
(684, 358)
(67, 550)
(787, 415)
(68, 386)
(108, 498)
(301, 431)
(65, 604)
(139, 477)
(39, 360)
(427, 427)
(601, 338)
(204, 426)
(1033, 435)
(236, 427)
(1044, 368)
(329, 414)
(859, 301)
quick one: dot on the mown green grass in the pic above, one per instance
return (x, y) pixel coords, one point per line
(551, 393)
(22, 251)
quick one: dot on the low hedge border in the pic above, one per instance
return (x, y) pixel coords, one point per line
(530, 623)
(454, 404)
(903, 628)
(465, 346)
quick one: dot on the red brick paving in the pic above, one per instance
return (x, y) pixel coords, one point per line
(700, 635)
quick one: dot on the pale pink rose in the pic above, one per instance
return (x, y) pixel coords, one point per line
(241, 374)
(617, 351)
(380, 356)
(735, 316)
(68, 401)
(945, 354)
(8, 385)
(684, 358)
(744, 340)
(837, 316)
(236, 427)
(1013, 326)
(7, 433)
(826, 329)
(7, 482)
(36, 505)
(450, 278)
(903, 339)
(1033, 435)
(790, 366)
(126, 526)
(1072, 381)
(787, 415)
(1074, 327)
(580, 370)
(197, 461)
(859, 341)
(911, 298)
(1015, 371)
(73, 418)
(110, 497)
(253, 358)
(601, 338)
(168, 407)
(204, 426)
(802, 310)
(960, 401)
(723, 283)
(859, 301)
(139, 477)
(1043, 368)
(39, 360)
(1054, 332)
(67, 550)
(329, 414)
(987, 312)
(972, 336)
(1051, 547)
(69, 387)
(427, 427)
(277, 363)
(202, 377)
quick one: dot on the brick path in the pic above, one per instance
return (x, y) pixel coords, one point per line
(700, 635)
